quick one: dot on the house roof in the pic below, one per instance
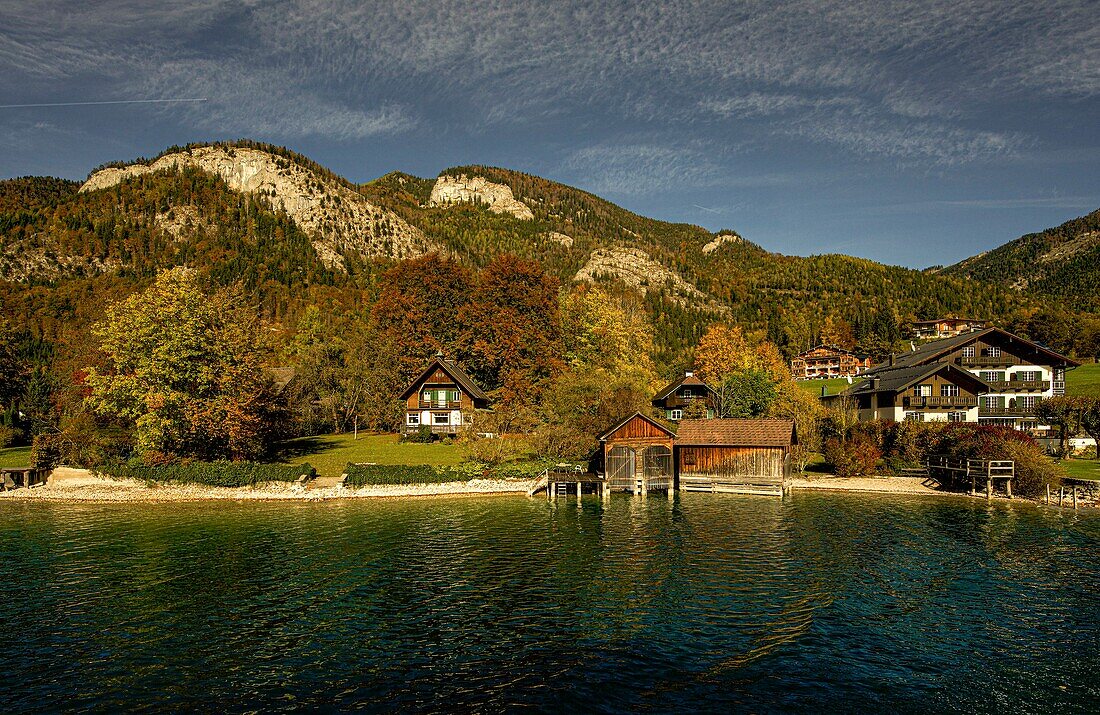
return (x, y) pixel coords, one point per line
(281, 377)
(896, 379)
(736, 433)
(936, 349)
(659, 425)
(461, 378)
(690, 380)
(833, 348)
(946, 320)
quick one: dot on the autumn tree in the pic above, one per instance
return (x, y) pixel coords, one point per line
(510, 339)
(1090, 420)
(838, 332)
(1063, 413)
(419, 307)
(185, 371)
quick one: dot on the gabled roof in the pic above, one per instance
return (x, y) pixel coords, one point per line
(937, 349)
(896, 379)
(736, 433)
(455, 372)
(947, 320)
(664, 428)
(834, 349)
(690, 380)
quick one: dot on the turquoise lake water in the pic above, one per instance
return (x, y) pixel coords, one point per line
(711, 603)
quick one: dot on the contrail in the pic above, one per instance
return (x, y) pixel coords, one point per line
(88, 104)
(704, 208)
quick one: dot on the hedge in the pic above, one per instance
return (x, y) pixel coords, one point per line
(214, 474)
(361, 475)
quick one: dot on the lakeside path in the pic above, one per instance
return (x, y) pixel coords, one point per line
(67, 484)
(81, 485)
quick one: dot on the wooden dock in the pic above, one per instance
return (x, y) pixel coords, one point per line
(565, 482)
(14, 477)
(973, 472)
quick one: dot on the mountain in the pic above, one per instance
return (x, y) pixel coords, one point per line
(1061, 263)
(296, 234)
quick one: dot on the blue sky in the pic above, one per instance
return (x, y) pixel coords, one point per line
(911, 133)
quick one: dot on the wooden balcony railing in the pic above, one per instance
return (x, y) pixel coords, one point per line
(951, 401)
(985, 360)
(436, 405)
(1021, 411)
(1005, 385)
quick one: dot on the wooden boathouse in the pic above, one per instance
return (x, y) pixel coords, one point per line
(743, 456)
(637, 455)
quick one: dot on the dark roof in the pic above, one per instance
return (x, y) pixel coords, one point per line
(656, 423)
(736, 433)
(457, 374)
(936, 349)
(896, 379)
(281, 377)
(691, 380)
(947, 320)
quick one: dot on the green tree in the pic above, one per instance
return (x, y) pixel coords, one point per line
(1090, 420)
(746, 393)
(185, 371)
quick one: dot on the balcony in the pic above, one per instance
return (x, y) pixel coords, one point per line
(986, 361)
(1006, 411)
(428, 405)
(962, 402)
(1020, 385)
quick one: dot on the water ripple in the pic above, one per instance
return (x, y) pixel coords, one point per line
(823, 602)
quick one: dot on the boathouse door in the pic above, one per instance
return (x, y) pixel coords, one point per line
(620, 468)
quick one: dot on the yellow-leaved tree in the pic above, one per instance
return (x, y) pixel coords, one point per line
(184, 370)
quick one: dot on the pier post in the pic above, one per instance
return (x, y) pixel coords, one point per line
(580, 490)
(1048, 494)
(989, 487)
(1061, 495)
(1075, 496)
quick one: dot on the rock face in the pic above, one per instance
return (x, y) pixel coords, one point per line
(636, 269)
(477, 189)
(722, 240)
(336, 218)
(560, 238)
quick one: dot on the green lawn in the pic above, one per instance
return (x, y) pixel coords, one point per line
(1084, 380)
(833, 385)
(330, 453)
(15, 457)
(1081, 468)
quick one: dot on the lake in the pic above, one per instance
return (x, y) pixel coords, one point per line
(819, 602)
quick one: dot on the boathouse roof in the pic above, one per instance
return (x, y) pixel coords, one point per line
(736, 433)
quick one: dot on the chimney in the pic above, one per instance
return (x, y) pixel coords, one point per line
(689, 373)
(874, 383)
(891, 359)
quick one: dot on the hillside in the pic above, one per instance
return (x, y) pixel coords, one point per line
(296, 234)
(1061, 263)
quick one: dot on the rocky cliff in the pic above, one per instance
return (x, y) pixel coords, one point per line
(337, 218)
(477, 189)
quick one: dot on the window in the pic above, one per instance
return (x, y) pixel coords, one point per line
(993, 403)
(923, 390)
(991, 352)
(956, 417)
(1027, 402)
(949, 390)
(687, 393)
(675, 414)
(414, 419)
(1027, 375)
(968, 352)
(427, 396)
(441, 418)
(914, 417)
(992, 375)
(454, 395)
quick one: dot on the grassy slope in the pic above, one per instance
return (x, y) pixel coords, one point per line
(330, 453)
(15, 457)
(834, 385)
(1084, 380)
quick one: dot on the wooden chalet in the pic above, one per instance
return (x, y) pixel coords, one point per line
(746, 456)
(684, 394)
(444, 397)
(826, 361)
(1017, 373)
(939, 392)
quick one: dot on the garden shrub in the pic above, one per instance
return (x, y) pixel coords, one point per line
(213, 474)
(852, 458)
(46, 450)
(423, 435)
(361, 475)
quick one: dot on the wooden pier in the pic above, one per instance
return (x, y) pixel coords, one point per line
(564, 482)
(973, 472)
(13, 477)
